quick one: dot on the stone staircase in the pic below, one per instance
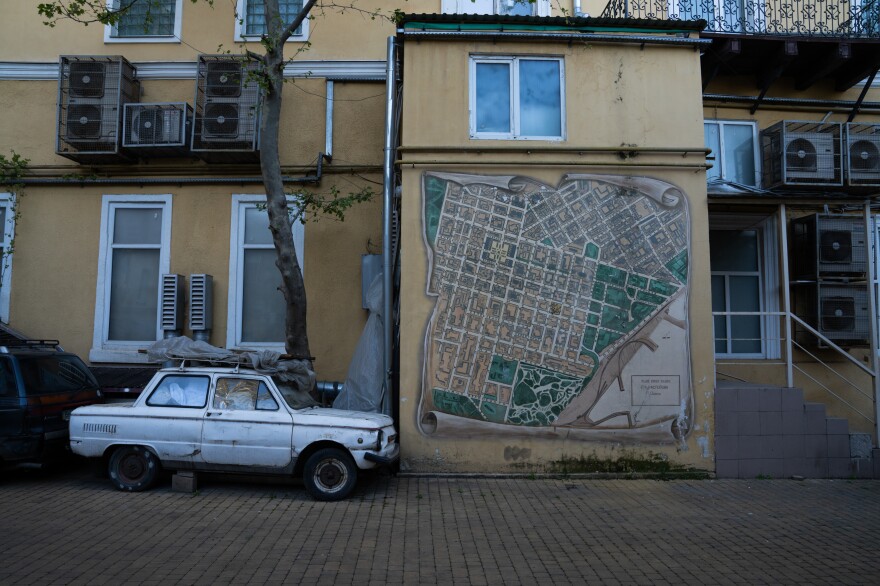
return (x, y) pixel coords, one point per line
(770, 432)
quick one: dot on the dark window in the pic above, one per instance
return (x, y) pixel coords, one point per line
(43, 375)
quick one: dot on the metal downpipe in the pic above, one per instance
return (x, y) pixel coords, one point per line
(387, 211)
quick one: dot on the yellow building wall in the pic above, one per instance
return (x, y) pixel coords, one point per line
(615, 95)
(54, 270)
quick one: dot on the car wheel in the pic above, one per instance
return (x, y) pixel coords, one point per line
(133, 468)
(330, 474)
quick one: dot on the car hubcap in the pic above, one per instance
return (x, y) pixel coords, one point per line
(331, 475)
(132, 467)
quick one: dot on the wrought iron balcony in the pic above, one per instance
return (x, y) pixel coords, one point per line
(853, 19)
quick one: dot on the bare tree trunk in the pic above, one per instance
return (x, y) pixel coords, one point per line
(292, 286)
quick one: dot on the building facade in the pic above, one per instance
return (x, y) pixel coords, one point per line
(634, 241)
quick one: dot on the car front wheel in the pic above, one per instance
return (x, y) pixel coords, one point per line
(330, 474)
(133, 468)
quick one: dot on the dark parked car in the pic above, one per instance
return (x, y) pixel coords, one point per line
(40, 385)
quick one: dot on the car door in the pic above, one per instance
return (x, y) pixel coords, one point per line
(170, 419)
(11, 411)
(246, 425)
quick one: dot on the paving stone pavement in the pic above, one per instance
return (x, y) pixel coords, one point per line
(71, 527)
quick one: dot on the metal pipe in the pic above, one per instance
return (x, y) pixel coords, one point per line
(702, 150)
(387, 211)
(319, 172)
(508, 163)
(871, 236)
(153, 180)
(786, 297)
(328, 125)
(824, 104)
(582, 37)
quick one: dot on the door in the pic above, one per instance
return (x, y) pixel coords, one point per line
(245, 425)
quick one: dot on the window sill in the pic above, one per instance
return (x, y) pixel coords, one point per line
(128, 356)
(168, 39)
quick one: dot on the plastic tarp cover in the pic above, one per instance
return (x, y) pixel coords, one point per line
(294, 378)
(364, 385)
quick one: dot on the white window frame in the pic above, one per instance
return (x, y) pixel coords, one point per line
(513, 61)
(768, 281)
(241, 202)
(241, 37)
(720, 156)
(104, 350)
(172, 38)
(7, 201)
(485, 7)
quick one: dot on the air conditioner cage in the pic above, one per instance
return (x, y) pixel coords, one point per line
(227, 110)
(92, 91)
(828, 246)
(838, 311)
(862, 154)
(801, 154)
(158, 129)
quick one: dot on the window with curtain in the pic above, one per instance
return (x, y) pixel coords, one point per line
(734, 145)
(134, 253)
(252, 14)
(516, 98)
(146, 18)
(256, 304)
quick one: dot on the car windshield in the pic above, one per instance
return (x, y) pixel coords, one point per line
(43, 375)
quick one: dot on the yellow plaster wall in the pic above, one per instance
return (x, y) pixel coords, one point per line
(614, 94)
(57, 239)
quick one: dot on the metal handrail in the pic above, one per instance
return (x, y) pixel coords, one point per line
(789, 360)
(805, 18)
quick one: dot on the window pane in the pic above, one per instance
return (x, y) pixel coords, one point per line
(719, 303)
(516, 7)
(235, 394)
(265, 402)
(54, 374)
(713, 141)
(262, 312)
(733, 250)
(137, 226)
(256, 226)
(540, 102)
(493, 97)
(134, 295)
(739, 154)
(745, 330)
(255, 19)
(147, 18)
(180, 391)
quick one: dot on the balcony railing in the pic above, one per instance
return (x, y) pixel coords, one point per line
(805, 18)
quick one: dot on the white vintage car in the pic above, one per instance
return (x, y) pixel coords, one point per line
(231, 420)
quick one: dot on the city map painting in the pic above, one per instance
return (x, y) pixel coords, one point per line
(559, 311)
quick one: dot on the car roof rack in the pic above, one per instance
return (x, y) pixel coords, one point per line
(37, 344)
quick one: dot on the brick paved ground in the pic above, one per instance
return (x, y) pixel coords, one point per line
(72, 527)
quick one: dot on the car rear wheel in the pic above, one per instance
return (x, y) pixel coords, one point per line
(330, 474)
(133, 468)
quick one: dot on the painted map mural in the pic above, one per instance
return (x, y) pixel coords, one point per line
(559, 311)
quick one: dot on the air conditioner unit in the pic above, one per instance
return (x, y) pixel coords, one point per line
(862, 154)
(828, 246)
(92, 92)
(227, 111)
(838, 311)
(160, 129)
(802, 154)
(809, 156)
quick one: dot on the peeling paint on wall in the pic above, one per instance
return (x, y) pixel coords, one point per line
(560, 312)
